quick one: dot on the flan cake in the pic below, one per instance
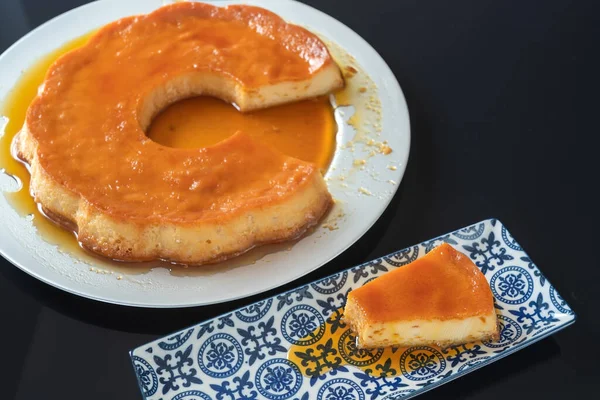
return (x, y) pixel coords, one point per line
(440, 299)
(128, 198)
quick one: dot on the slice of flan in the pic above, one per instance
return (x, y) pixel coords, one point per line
(440, 299)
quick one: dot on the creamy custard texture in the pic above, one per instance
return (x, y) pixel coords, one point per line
(440, 298)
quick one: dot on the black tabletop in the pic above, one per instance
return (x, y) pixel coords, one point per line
(503, 101)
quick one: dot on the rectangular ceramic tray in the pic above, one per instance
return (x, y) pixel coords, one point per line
(244, 354)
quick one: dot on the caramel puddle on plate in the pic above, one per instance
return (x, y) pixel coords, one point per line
(305, 130)
(13, 109)
(332, 345)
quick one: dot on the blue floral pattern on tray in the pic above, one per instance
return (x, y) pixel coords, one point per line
(220, 356)
(243, 354)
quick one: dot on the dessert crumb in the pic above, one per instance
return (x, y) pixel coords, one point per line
(364, 191)
(350, 71)
(331, 227)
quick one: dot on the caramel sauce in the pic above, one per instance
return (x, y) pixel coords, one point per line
(344, 98)
(336, 347)
(305, 130)
(14, 107)
(444, 284)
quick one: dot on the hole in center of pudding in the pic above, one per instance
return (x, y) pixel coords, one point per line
(304, 130)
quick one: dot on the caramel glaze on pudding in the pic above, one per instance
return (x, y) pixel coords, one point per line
(441, 298)
(132, 199)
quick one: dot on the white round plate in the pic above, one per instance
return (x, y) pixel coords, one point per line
(362, 192)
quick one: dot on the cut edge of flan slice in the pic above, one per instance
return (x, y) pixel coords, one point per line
(439, 299)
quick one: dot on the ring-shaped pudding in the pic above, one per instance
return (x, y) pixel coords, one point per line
(128, 198)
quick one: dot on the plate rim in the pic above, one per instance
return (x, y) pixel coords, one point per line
(13, 256)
